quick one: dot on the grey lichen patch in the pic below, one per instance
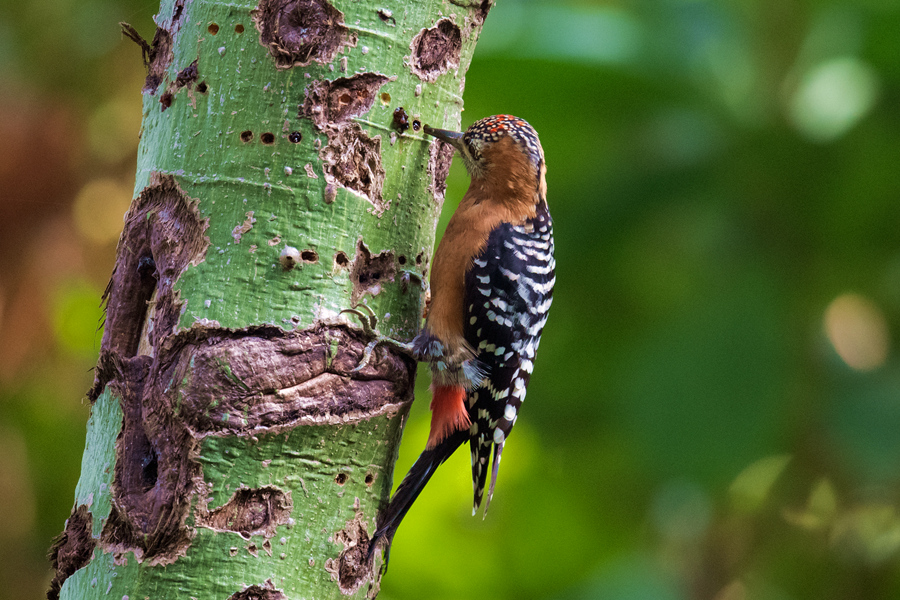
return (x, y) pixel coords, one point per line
(440, 157)
(436, 50)
(298, 32)
(72, 549)
(352, 160)
(351, 568)
(251, 512)
(266, 591)
(370, 272)
(329, 103)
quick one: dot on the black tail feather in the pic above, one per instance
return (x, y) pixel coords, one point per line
(414, 482)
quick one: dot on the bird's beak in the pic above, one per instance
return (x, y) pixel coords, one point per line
(454, 138)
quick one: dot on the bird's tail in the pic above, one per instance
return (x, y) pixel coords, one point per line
(409, 490)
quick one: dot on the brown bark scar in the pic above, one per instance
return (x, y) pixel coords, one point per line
(266, 591)
(243, 228)
(72, 549)
(351, 568)
(436, 50)
(250, 512)
(300, 32)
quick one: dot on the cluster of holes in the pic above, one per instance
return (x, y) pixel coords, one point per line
(268, 137)
(213, 28)
(341, 260)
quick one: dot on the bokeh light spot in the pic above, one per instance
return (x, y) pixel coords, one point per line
(832, 97)
(99, 209)
(858, 331)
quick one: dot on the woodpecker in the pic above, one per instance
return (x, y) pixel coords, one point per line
(491, 287)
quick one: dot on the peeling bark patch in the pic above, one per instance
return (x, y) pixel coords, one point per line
(353, 160)
(243, 228)
(163, 228)
(436, 50)
(351, 569)
(440, 156)
(265, 591)
(298, 32)
(264, 377)
(187, 76)
(72, 549)
(332, 102)
(370, 272)
(251, 512)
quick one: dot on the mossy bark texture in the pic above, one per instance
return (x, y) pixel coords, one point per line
(234, 450)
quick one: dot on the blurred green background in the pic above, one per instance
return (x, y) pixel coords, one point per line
(715, 412)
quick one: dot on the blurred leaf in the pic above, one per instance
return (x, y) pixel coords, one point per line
(820, 511)
(751, 488)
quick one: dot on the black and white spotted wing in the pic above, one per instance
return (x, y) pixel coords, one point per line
(508, 292)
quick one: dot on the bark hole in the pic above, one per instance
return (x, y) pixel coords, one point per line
(246, 136)
(341, 260)
(436, 50)
(251, 512)
(298, 32)
(370, 272)
(267, 138)
(295, 137)
(341, 479)
(72, 549)
(309, 256)
(163, 234)
(239, 28)
(213, 28)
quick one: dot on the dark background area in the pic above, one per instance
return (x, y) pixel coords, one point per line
(715, 410)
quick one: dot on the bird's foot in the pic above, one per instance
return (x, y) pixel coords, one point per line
(370, 327)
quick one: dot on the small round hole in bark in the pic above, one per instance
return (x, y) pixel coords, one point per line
(401, 259)
(166, 100)
(246, 136)
(417, 125)
(239, 28)
(370, 478)
(213, 28)
(267, 138)
(295, 137)
(419, 259)
(385, 98)
(310, 256)
(341, 260)
(341, 479)
(202, 87)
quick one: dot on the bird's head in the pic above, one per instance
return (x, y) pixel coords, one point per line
(501, 142)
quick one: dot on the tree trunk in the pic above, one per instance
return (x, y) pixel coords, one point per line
(232, 450)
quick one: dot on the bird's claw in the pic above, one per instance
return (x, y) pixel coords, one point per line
(369, 324)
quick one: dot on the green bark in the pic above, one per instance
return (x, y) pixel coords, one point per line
(232, 450)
